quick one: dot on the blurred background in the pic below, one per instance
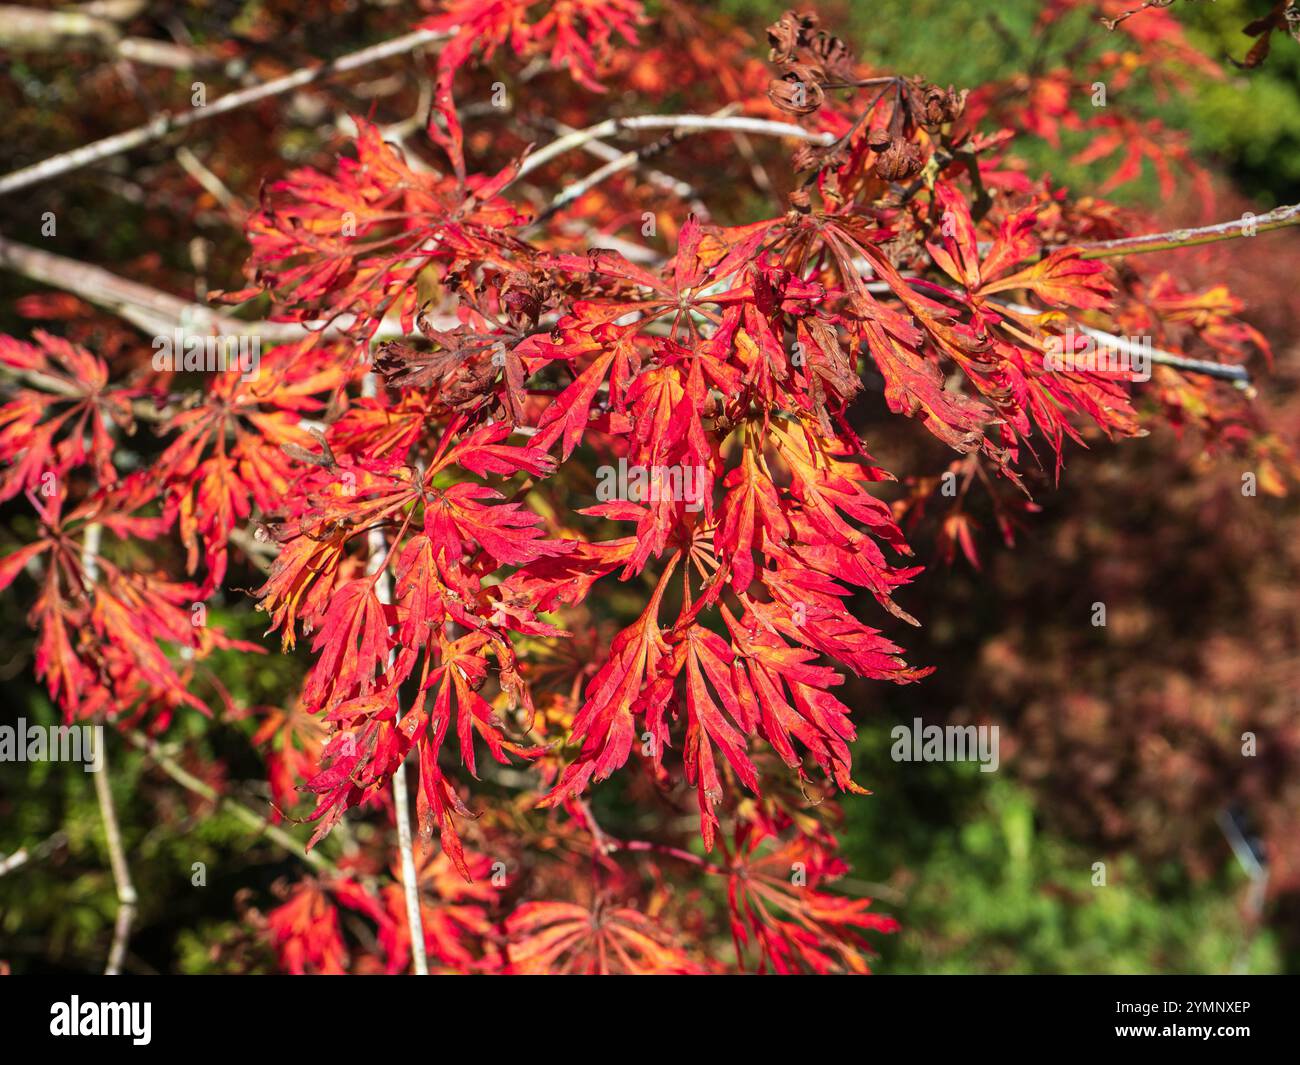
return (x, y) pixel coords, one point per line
(1120, 745)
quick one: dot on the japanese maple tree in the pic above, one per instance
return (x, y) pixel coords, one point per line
(473, 331)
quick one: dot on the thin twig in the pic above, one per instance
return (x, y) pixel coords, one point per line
(1225, 370)
(166, 122)
(377, 566)
(1247, 226)
(675, 186)
(126, 896)
(155, 312)
(259, 824)
(20, 857)
(616, 165)
(23, 29)
(602, 173)
(758, 172)
(612, 126)
(10, 862)
(213, 185)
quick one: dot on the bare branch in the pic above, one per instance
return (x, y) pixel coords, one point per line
(150, 309)
(126, 896)
(1247, 226)
(617, 164)
(20, 857)
(259, 824)
(1225, 370)
(167, 122)
(28, 29)
(377, 565)
(156, 312)
(612, 126)
(682, 189)
(209, 182)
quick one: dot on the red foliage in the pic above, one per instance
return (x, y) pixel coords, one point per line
(436, 533)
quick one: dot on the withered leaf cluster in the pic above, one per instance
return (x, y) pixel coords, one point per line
(810, 60)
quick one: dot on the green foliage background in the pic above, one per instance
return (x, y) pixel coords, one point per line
(1248, 124)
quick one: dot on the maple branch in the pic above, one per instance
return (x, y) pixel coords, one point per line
(10, 862)
(127, 899)
(167, 122)
(210, 183)
(238, 810)
(126, 896)
(634, 253)
(612, 126)
(149, 309)
(1225, 370)
(682, 189)
(258, 553)
(377, 565)
(20, 857)
(154, 311)
(617, 164)
(24, 29)
(1247, 226)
